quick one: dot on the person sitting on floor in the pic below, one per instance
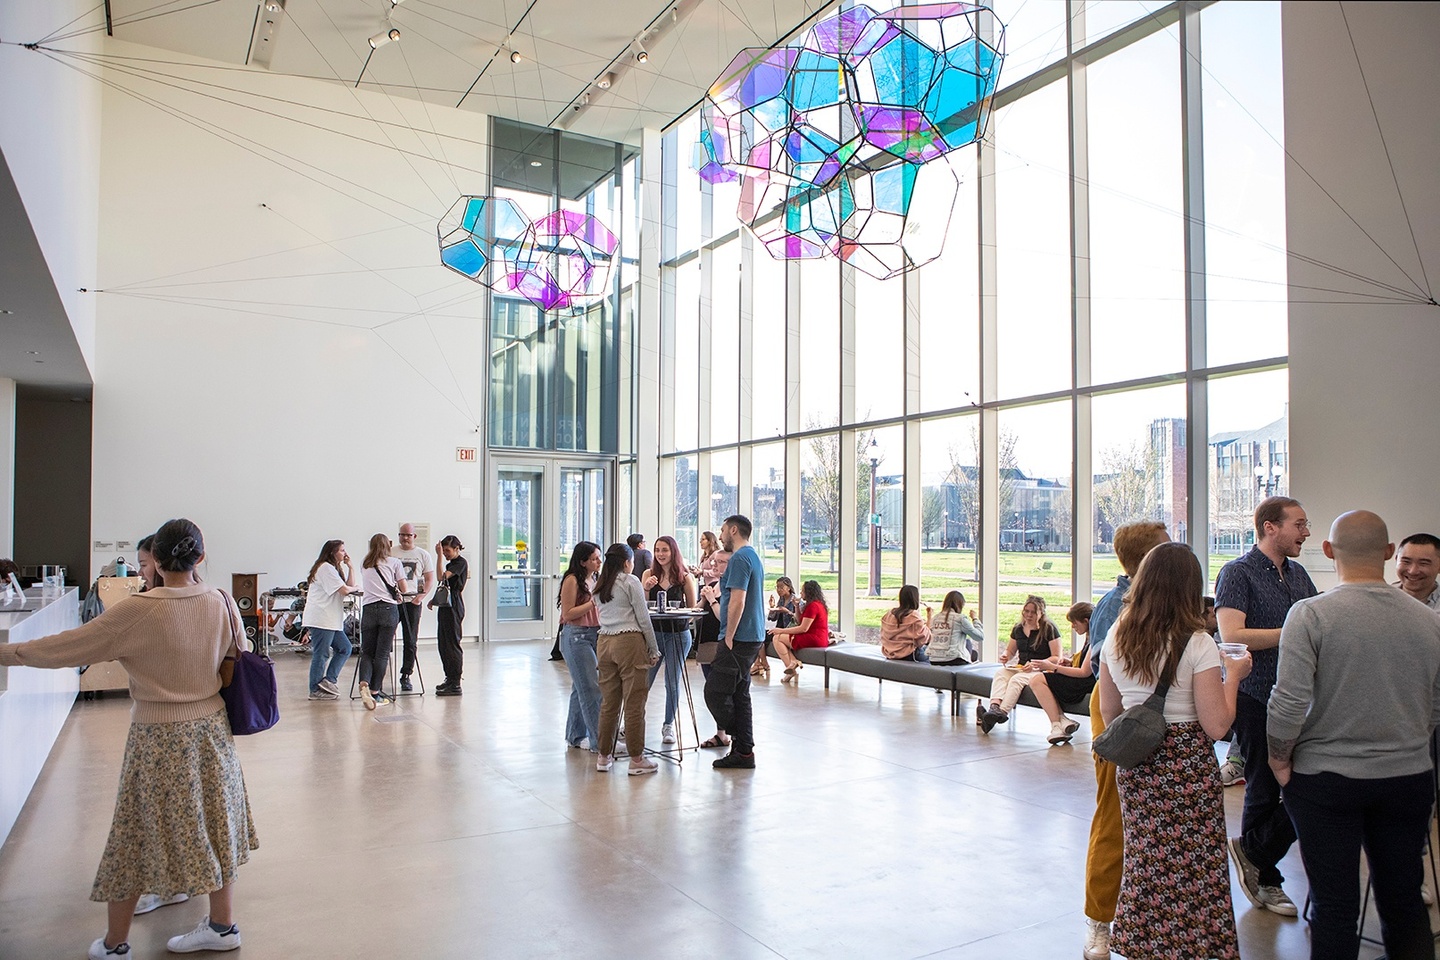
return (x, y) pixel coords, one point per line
(954, 638)
(1033, 638)
(903, 634)
(1066, 680)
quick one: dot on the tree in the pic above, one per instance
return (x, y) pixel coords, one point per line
(1125, 491)
(965, 475)
(932, 514)
(820, 488)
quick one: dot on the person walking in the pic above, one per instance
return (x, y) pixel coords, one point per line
(331, 580)
(1175, 892)
(454, 573)
(182, 822)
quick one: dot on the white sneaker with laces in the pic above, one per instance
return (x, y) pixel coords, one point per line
(642, 765)
(1061, 731)
(204, 938)
(153, 901)
(1232, 772)
(366, 697)
(603, 763)
(1275, 900)
(667, 733)
(1097, 940)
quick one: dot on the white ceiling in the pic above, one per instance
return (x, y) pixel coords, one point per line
(449, 47)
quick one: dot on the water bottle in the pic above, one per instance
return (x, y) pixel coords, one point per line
(122, 569)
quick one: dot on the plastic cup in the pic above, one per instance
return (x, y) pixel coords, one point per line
(1234, 651)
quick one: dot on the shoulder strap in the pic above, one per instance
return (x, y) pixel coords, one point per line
(234, 629)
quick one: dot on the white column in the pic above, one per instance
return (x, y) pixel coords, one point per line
(654, 421)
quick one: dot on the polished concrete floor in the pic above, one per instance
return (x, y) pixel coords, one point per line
(875, 825)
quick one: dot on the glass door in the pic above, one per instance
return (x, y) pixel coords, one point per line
(539, 509)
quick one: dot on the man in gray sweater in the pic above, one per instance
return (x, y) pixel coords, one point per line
(1350, 720)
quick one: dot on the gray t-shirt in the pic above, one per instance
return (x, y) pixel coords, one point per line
(1358, 685)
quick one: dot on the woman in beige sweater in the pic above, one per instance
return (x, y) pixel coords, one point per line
(182, 820)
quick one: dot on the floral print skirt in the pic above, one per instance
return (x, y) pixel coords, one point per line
(1175, 894)
(182, 818)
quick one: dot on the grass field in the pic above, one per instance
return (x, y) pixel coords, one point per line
(1021, 574)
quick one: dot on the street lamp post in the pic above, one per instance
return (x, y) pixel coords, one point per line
(1268, 481)
(874, 450)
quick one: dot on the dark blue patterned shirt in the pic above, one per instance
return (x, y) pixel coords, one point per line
(1255, 587)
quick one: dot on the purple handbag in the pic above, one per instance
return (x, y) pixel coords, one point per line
(252, 700)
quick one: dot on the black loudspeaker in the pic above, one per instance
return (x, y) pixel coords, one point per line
(252, 629)
(245, 588)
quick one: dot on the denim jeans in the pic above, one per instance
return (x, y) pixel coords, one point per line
(1335, 817)
(577, 644)
(727, 694)
(328, 652)
(378, 621)
(1266, 832)
(674, 648)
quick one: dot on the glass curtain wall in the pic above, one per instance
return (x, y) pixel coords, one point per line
(1103, 339)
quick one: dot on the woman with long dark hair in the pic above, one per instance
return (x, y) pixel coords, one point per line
(627, 650)
(579, 634)
(182, 820)
(331, 580)
(385, 586)
(145, 560)
(1175, 895)
(903, 633)
(955, 638)
(813, 630)
(454, 573)
(668, 577)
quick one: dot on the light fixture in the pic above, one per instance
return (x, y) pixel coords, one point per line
(605, 81)
(272, 6)
(380, 39)
(641, 56)
(515, 56)
(537, 163)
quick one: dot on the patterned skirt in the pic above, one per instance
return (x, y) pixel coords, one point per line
(1175, 895)
(182, 818)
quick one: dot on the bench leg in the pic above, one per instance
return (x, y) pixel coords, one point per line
(827, 679)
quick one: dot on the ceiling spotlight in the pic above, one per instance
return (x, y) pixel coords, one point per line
(272, 6)
(515, 56)
(380, 39)
(641, 56)
(537, 163)
(604, 82)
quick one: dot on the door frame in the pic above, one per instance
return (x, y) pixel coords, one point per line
(548, 568)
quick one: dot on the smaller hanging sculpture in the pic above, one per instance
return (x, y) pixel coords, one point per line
(834, 138)
(559, 262)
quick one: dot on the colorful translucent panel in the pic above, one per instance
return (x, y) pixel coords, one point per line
(829, 136)
(560, 261)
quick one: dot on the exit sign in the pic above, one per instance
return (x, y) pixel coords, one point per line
(465, 454)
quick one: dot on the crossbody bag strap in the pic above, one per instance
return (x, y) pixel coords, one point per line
(234, 629)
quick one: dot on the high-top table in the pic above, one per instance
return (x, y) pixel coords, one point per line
(33, 702)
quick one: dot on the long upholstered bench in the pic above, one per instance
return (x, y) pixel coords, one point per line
(867, 661)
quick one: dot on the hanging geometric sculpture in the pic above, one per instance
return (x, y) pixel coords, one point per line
(561, 261)
(832, 137)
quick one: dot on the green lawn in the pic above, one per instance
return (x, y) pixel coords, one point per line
(1021, 574)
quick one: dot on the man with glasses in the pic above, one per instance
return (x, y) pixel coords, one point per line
(1253, 595)
(419, 570)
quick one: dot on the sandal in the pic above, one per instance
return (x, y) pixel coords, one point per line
(716, 741)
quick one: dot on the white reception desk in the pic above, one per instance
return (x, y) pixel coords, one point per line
(33, 703)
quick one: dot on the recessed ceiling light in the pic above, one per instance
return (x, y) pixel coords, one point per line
(537, 163)
(7, 312)
(33, 353)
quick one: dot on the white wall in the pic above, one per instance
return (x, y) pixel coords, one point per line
(238, 381)
(50, 135)
(1362, 374)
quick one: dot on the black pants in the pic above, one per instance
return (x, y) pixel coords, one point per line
(410, 634)
(1266, 832)
(1335, 817)
(447, 640)
(377, 635)
(727, 694)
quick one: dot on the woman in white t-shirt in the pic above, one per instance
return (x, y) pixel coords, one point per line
(385, 586)
(332, 579)
(1175, 895)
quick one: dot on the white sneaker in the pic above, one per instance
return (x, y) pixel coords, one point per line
(1232, 772)
(153, 901)
(603, 763)
(1275, 900)
(98, 950)
(328, 684)
(366, 697)
(203, 938)
(1062, 730)
(642, 765)
(1097, 940)
(667, 733)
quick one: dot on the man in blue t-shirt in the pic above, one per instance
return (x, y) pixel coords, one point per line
(739, 603)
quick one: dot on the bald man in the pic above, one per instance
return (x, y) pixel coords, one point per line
(1356, 696)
